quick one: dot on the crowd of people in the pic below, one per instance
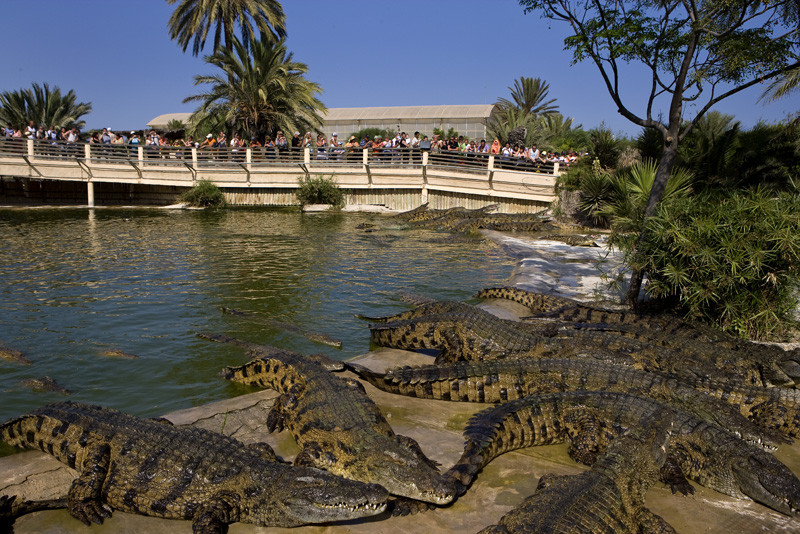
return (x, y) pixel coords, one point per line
(507, 154)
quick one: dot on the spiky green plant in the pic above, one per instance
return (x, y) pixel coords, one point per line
(320, 190)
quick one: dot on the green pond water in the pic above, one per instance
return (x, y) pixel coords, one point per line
(77, 282)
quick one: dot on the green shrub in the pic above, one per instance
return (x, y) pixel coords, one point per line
(731, 259)
(320, 190)
(205, 194)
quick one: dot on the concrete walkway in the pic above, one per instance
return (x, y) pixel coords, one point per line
(437, 426)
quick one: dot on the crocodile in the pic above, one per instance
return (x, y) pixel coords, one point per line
(317, 337)
(607, 499)
(118, 353)
(465, 332)
(153, 468)
(339, 428)
(706, 453)
(12, 508)
(503, 380)
(13, 355)
(779, 367)
(573, 240)
(476, 335)
(412, 213)
(45, 383)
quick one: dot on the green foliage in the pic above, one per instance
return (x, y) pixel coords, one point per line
(372, 132)
(43, 106)
(258, 91)
(451, 132)
(732, 259)
(650, 144)
(605, 147)
(528, 96)
(320, 190)
(206, 194)
(175, 124)
(596, 191)
(193, 20)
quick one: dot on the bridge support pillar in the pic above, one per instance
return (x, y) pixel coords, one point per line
(90, 194)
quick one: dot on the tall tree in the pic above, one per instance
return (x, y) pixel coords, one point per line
(528, 96)
(695, 52)
(44, 106)
(258, 92)
(193, 20)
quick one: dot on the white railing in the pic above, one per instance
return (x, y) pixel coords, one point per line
(178, 156)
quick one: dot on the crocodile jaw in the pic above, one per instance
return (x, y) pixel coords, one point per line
(301, 496)
(767, 481)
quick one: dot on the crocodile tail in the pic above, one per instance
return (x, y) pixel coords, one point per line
(536, 302)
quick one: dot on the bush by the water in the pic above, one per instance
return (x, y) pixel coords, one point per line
(731, 259)
(205, 194)
(320, 190)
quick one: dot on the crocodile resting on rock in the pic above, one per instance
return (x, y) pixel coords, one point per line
(152, 468)
(339, 428)
(666, 329)
(607, 499)
(706, 453)
(468, 333)
(499, 381)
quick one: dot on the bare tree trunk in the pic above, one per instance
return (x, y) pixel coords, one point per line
(663, 171)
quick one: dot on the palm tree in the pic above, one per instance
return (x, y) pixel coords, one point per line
(43, 106)
(528, 96)
(192, 21)
(258, 92)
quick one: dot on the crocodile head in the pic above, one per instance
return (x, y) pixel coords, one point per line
(302, 495)
(404, 471)
(767, 481)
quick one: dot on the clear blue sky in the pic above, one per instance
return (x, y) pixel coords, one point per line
(118, 56)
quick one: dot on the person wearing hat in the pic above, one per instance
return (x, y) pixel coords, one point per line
(297, 141)
(208, 142)
(334, 140)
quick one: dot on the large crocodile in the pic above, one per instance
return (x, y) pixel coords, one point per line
(464, 332)
(607, 499)
(727, 405)
(153, 468)
(339, 428)
(700, 451)
(665, 329)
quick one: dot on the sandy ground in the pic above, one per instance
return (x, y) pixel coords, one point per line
(543, 266)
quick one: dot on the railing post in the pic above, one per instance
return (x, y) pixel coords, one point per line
(248, 156)
(555, 168)
(30, 147)
(87, 151)
(306, 155)
(490, 170)
(365, 156)
(425, 155)
(140, 154)
(194, 157)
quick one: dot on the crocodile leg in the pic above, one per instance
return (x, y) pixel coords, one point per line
(84, 495)
(214, 516)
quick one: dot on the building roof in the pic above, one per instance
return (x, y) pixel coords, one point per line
(410, 112)
(374, 113)
(162, 120)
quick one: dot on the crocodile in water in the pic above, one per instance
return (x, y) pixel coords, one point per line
(153, 468)
(699, 450)
(607, 499)
(339, 428)
(317, 337)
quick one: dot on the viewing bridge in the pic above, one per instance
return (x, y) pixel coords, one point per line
(401, 179)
